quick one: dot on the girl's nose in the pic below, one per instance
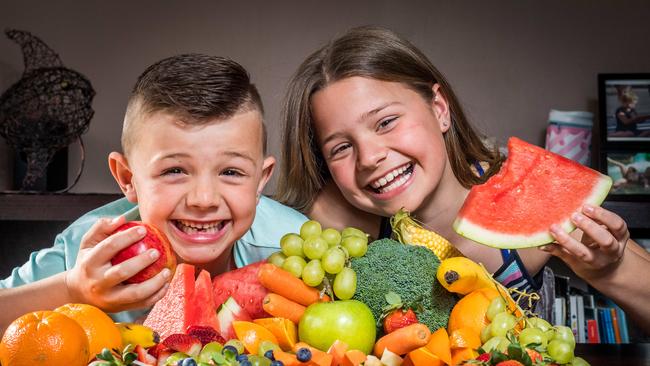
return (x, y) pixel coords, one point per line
(370, 154)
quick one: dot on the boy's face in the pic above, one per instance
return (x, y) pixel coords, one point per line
(198, 184)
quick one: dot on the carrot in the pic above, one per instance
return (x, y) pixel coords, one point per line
(403, 340)
(281, 307)
(281, 282)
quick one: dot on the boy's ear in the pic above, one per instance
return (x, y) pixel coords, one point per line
(267, 171)
(440, 108)
(121, 171)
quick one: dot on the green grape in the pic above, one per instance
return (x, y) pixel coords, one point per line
(533, 335)
(345, 284)
(356, 246)
(333, 260)
(277, 259)
(294, 265)
(314, 247)
(539, 323)
(266, 346)
(291, 244)
(502, 323)
(493, 343)
(485, 334)
(560, 351)
(564, 334)
(239, 346)
(310, 228)
(579, 361)
(259, 360)
(353, 231)
(312, 274)
(175, 357)
(331, 236)
(497, 305)
(209, 350)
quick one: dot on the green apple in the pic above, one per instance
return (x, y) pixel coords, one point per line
(350, 321)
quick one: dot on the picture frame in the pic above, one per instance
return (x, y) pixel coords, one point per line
(624, 110)
(630, 172)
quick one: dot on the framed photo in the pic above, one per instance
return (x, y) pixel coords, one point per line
(630, 173)
(624, 106)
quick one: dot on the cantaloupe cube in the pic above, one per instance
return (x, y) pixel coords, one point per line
(337, 350)
(459, 355)
(353, 357)
(283, 329)
(288, 359)
(423, 357)
(439, 345)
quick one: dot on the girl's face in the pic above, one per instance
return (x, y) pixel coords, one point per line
(382, 142)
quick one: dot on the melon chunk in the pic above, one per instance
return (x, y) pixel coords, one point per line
(534, 189)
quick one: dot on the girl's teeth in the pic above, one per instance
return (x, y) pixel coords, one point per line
(388, 178)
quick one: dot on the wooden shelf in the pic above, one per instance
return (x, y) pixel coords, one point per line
(50, 207)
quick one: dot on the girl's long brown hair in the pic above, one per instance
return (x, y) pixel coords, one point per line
(380, 54)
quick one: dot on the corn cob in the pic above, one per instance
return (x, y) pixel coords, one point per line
(409, 231)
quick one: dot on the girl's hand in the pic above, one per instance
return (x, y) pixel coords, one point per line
(94, 280)
(600, 246)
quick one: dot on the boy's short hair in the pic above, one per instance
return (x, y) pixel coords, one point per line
(195, 88)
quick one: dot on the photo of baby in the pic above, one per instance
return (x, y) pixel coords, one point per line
(630, 173)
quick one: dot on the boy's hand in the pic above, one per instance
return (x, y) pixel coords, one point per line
(601, 246)
(94, 280)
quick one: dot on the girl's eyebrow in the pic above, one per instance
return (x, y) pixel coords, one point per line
(363, 117)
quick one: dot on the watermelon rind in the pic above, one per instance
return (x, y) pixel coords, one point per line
(502, 240)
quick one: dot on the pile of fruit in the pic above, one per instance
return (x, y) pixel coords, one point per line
(326, 299)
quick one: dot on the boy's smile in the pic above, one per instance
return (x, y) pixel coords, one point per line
(198, 184)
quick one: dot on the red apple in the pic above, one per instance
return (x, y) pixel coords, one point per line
(154, 239)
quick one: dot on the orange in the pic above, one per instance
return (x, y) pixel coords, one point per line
(99, 327)
(44, 338)
(439, 345)
(464, 338)
(423, 357)
(462, 354)
(469, 312)
(283, 329)
(251, 335)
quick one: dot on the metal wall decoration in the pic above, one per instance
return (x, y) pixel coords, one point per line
(46, 110)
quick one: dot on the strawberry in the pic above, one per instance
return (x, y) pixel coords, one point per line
(183, 343)
(484, 357)
(399, 319)
(534, 355)
(143, 356)
(510, 363)
(155, 350)
(205, 334)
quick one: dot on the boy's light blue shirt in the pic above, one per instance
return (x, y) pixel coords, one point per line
(272, 221)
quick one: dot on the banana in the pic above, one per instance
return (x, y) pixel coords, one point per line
(462, 275)
(135, 334)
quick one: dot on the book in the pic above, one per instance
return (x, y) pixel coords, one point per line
(573, 315)
(582, 325)
(592, 331)
(622, 322)
(615, 326)
(608, 326)
(559, 311)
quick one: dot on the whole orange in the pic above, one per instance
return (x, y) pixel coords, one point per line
(44, 338)
(99, 327)
(469, 312)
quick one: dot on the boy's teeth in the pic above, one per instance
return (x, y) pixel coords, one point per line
(190, 227)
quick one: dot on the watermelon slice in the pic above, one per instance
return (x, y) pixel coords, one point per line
(229, 312)
(168, 315)
(533, 190)
(187, 303)
(242, 284)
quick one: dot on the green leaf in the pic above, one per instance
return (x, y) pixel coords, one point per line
(129, 357)
(393, 298)
(106, 355)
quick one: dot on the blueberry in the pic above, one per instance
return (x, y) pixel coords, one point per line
(303, 354)
(187, 362)
(269, 354)
(245, 363)
(230, 349)
(242, 358)
(277, 363)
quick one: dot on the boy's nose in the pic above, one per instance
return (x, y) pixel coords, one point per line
(205, 194)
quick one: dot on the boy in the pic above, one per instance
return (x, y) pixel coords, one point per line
(195, 163)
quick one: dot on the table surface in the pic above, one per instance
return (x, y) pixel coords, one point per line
(637, 354)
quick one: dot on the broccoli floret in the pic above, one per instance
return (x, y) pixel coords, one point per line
(409, 271)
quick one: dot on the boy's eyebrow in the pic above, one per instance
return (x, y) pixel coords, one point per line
(363, 117)
(235, 154)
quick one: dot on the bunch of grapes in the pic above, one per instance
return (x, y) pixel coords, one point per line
(321, 257)
(556, 342)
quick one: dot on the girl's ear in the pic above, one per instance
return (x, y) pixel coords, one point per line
(440, 108)
(267, 171)
(121, 171)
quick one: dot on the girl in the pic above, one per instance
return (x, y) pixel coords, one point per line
(371, 126)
